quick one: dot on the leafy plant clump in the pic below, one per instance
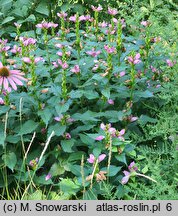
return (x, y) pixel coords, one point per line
(74, 95)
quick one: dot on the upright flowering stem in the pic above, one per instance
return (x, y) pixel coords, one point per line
(132, 73)
(77, 31)
(64, 76)
(96, 22)
(148, 46)
(119, 41)
(33, 74)
(63, 28)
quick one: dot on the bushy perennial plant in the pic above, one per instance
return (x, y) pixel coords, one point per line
(70, 98)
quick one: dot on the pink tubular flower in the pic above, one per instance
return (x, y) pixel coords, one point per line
(112, 11)
(76, 69)
(73, 18)
(17, 25)
(132, 168)
(12, 77)
(110, 101)
(170, 63)
(1, 101)
(64, 65)
(101, 157)
(134, 60)
(103, 24)
(62, 14)
(109, 49)
(92, 158)
(47, 177)
(44, 25)
(16, 49)
(27, 41)
(102, 126)
(58, 118)
(144, 23)
(121, 74)
(99, 138)
(97, 9)
(93, 52)
(29, 61)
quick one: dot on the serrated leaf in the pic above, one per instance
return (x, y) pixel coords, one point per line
(121, 158)
(67, 145)
(2, 139)
(43, 9)
(7, 19)
(57, 128)
(145, 119)
(67, 186)
(145, 169)
(46, 115)
(10, 160)
(56, 169)
(113, 170)
(106, 93)
(28, 127)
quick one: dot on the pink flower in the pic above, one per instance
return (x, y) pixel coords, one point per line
(47, 177)
(64, 65)
(73, 18)
(132, 166)
(102, 126)
(59, 46)
(17, 25)
(97, 9)
(12, 77)
(95, 67)
(109, 49)
(125, 179)
(134, 60)
(99, 138)
(1, 101)
(62, 14)
(92, 158)
(133, 118)
(67, 136)
(93, 52)
(16, 49)
(112, 11)
(44, 25)
(29, 61)
(58, 118)
(76, 69)
(53, 25)
(120, 135)
(121, 74)
(27, 41)
(112, 131)
(110, 101)
(144, 23)
(170, 63)
(101, 157)
(103, 24)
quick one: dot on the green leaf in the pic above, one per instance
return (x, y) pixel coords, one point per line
(90, 94)
(113, 170)
(43, 9)
(145, 169)
(144, 94)
(67, 145)
(57, 128)
(90, 195)
(75, 157)
(87, 116)
(46, 115)
(10, 160)
(121, 158)
(2, 138)
(56, 169)
(67, 186)
(106, 93)
(28, 127)
(144, 119)
(7, 19)
(61, 108)
(31, 18)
